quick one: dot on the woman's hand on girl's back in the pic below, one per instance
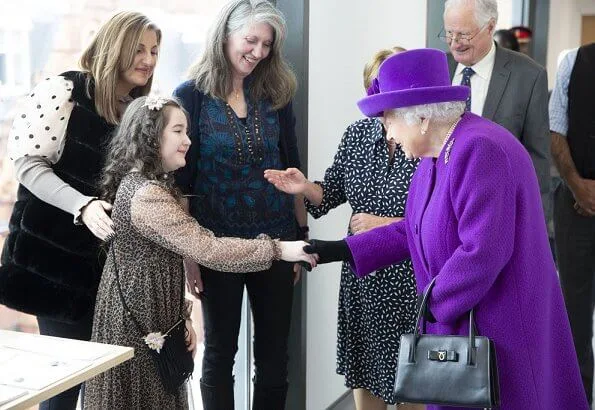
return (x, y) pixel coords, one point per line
(94, 216)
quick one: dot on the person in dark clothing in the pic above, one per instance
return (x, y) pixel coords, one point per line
(573, 150)
(51, 261)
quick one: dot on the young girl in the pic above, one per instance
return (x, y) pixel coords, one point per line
(153, 233)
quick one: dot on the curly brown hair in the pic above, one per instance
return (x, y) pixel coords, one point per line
(136, 147)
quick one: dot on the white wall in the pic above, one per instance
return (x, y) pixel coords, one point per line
(505, 14)
(343, 36)
(565, 29)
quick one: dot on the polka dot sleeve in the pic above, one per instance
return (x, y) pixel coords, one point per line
(40, 128)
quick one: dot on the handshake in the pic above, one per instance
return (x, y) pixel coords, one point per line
(314, 252)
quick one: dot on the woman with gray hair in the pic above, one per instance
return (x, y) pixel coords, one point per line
(239, 100)
(474, 227)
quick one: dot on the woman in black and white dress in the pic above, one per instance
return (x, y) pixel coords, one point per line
(373, 176)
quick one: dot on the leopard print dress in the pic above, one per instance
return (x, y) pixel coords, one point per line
(153, 234)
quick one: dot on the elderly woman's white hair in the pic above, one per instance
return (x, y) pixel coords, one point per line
(441, 112)
(485, 10)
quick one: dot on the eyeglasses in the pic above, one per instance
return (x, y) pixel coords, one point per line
(462, 38)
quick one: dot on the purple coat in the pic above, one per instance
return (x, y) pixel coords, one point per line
(476, 222)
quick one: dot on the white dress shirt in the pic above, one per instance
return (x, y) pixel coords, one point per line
(480, 81)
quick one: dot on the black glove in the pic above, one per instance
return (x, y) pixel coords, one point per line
(329, 251)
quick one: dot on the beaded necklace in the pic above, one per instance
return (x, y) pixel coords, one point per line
(253, 139)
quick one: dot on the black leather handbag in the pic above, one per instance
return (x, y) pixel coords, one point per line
(169, 351)
(447, 370)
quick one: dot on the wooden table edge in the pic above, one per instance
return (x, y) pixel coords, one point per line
(107, 362)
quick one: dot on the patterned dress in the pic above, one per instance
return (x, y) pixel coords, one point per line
(376, 310)
(154, 233)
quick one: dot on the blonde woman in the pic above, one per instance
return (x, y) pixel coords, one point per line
(241, 121)
(51, 264)
(371, 173)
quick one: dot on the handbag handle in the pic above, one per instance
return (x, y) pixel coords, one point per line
(421, 317)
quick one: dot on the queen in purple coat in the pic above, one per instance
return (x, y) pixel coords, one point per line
(474, 221)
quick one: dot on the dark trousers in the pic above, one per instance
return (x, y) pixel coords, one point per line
(575, 249)
(80, 331)
(270, 293)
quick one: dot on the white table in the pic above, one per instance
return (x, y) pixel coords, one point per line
(75, 360)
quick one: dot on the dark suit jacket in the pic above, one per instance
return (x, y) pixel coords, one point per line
(517, 99)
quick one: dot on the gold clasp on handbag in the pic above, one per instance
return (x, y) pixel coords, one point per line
(443, 355)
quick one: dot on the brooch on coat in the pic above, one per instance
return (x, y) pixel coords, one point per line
(447, 152)
(451, 141)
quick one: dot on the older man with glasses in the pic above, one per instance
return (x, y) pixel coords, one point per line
(506, 87)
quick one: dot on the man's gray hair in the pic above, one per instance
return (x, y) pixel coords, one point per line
(441, 112)
(484, 9)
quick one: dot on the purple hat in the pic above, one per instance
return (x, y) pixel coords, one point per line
(409, 78)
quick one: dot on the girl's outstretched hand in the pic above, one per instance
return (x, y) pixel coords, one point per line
(294, 252)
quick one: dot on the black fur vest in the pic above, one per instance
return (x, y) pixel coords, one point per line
(51, 267)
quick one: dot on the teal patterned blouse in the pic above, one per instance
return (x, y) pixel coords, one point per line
(232, 196)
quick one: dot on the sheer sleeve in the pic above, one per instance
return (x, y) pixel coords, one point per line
(157, 215)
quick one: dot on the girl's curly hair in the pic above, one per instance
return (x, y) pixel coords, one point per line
(136, 146)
